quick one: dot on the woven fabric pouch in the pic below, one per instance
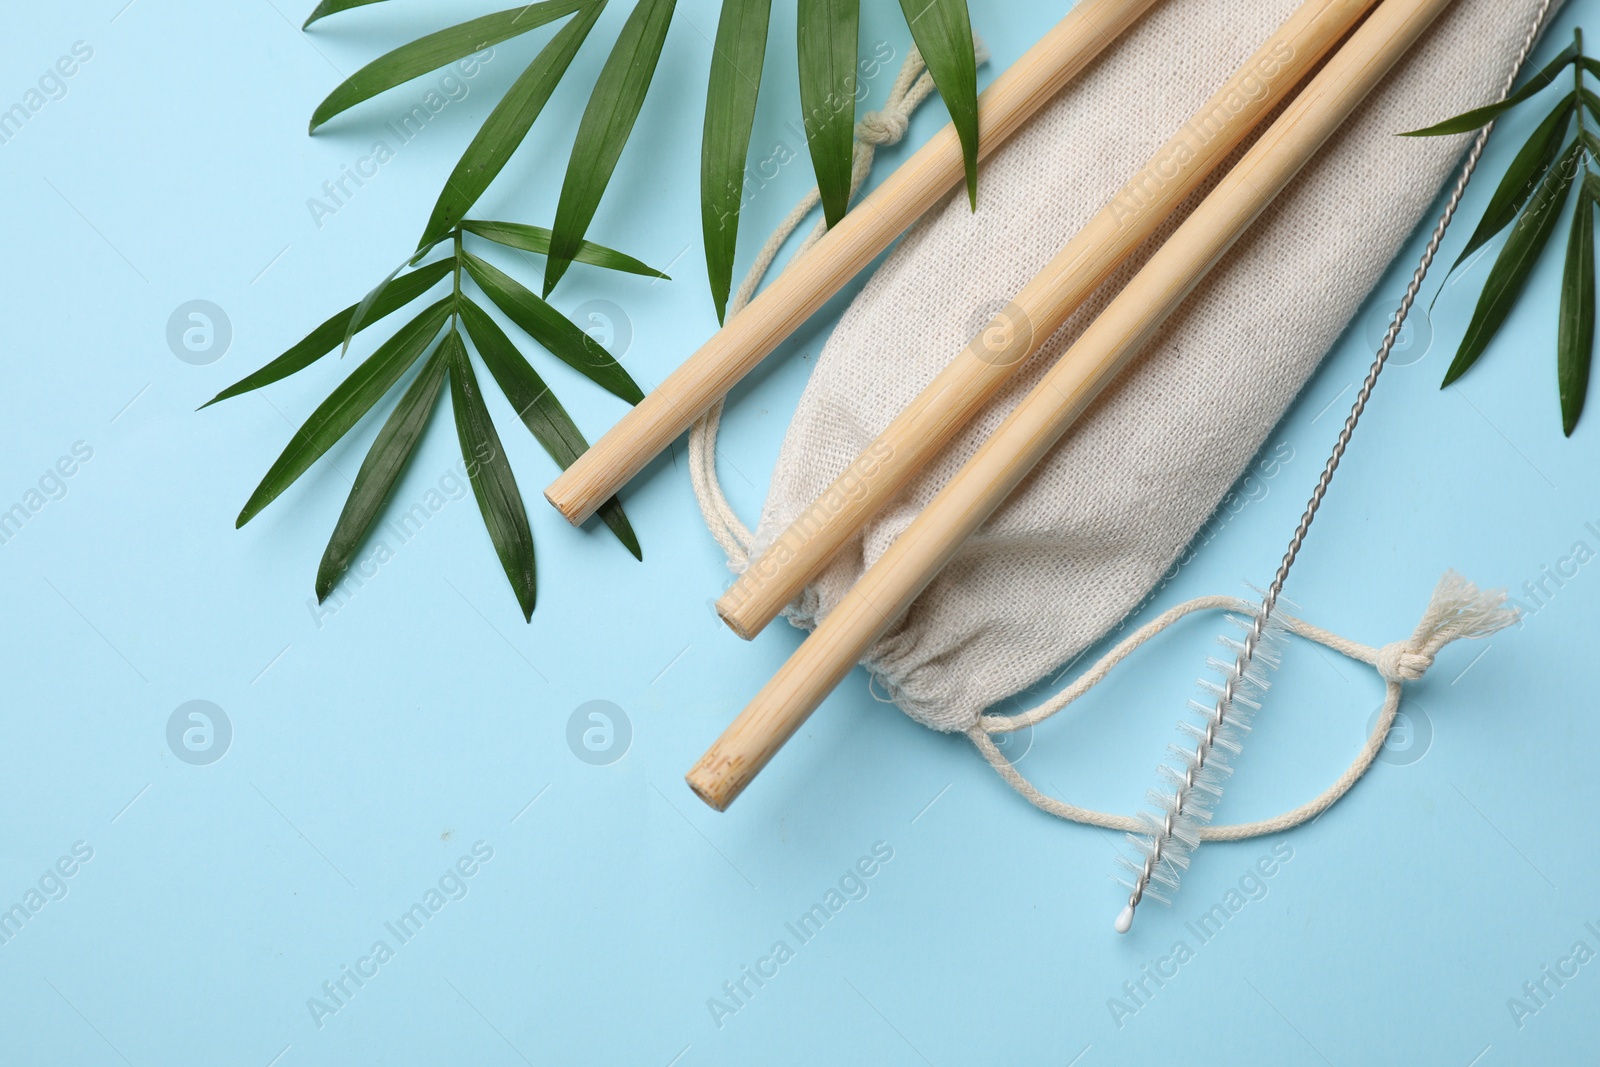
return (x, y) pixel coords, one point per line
(1096, 525)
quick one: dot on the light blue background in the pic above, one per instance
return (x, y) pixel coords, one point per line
(372, 749)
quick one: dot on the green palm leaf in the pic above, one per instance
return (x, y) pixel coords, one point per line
(492, 481)
(359, 319)
(435, 50)
(553, 330)
(1575, 339)
(1591, 142)
(1521, 179)
(536, 239)
(603, 131)
(1511, 270)
(379, 471)
(344, 407)
(1478, 118)
(828, 37)
(1591, 102)
(538, 407)
(326, 338)
(507, 125)
(333, 7)
(736, 61)
(943, 32)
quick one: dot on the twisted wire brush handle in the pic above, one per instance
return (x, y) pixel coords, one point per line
(1160, 846)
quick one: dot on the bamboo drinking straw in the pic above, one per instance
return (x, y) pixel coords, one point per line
(889, 587)
(808, 282)
(951, 400)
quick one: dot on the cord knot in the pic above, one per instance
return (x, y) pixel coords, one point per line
(882, 127)
(1401, 662)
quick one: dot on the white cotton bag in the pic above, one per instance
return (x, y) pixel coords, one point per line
(1097, 524)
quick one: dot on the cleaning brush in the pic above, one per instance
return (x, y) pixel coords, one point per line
(1171, 830)
(1195, 773)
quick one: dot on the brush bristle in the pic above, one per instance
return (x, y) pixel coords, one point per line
(1194, 774)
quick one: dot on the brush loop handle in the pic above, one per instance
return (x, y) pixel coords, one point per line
(1457, 611)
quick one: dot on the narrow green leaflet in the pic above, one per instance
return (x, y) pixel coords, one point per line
(1591, 102)
(943, 32)
(1575, 339)
(1478, 118)
(607, 122)
(359, 318)
(1510, 272)
(1522, 178)
(1591, 142)
(736, 62)
(344, 407)
(507, 125)
(435, 50)
(536, 239)
(529, 395)
(379, 471)
(492, 481)
(553, 330)
(828, 36)
(333, 7)
(538, 407)
(326, 338)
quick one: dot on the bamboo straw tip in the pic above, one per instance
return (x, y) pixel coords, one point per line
(715, 790)
(728, 610)
(569, 499)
